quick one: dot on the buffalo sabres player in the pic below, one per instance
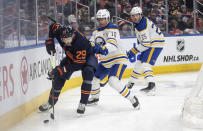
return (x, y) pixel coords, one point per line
(150, 42)
(79, 56)
(105, 41)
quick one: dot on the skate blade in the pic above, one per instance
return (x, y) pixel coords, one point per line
(149, 93)
(137, 107)
(42, 111)
(78, 115)
(92, 104)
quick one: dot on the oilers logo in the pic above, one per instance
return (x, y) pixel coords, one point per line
(100, 41)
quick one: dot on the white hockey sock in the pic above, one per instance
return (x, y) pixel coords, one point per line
(148, 73)
(126, 93)
(95, 92)
(136, 72)
(117, 85)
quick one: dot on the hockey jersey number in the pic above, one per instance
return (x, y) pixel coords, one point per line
(81, 55)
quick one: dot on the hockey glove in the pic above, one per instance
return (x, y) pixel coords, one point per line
(104, 50)
(54, 73)
(100, 49)
(131, 57)
(130, 54)
(50, 75)
(50, 46)
(54, 30)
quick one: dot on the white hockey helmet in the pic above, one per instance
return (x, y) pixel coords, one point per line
(136, 10)
(103, 13)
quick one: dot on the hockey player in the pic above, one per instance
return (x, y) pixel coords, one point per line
(79, 56)
(112, 61)
(150, 41)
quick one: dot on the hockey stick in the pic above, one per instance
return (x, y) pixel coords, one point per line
(52, 91)
(51, 19)
(52, 115)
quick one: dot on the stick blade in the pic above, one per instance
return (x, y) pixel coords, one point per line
(52, 116)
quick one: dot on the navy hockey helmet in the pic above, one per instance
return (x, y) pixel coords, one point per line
(67, 31)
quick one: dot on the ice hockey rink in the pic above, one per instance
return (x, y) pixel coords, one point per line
(161, 112)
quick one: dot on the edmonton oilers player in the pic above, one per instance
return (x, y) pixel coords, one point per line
(150, 42)
(79, 56)
(105, 41)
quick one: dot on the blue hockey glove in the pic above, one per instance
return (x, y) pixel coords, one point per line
(132, 59)
(100, 49)
(130, 54)
(96, 48)
(104, 50)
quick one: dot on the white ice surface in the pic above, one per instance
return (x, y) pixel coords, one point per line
(161, 112)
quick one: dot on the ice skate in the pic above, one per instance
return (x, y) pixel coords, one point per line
(129, 85)
(135, 103)
(81, 109)
(45, 107)
(150, 89)
(93, 101)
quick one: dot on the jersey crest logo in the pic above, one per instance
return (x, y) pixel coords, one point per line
(100, 41)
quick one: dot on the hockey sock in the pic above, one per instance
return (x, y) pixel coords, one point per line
(95, 88)
(123, 90)
(87, 74)
(56, 90)
(85, 92)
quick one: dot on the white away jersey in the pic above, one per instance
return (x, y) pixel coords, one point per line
(148, 34)
(110, 37)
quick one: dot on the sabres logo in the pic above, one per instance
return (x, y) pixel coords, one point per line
(100, 41)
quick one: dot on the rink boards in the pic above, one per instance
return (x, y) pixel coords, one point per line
(23, 72)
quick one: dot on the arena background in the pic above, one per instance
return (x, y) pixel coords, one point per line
(24, 28)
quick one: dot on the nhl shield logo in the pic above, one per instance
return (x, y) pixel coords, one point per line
(180, 45)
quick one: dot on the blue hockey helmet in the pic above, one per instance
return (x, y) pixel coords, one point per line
(67, 31)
